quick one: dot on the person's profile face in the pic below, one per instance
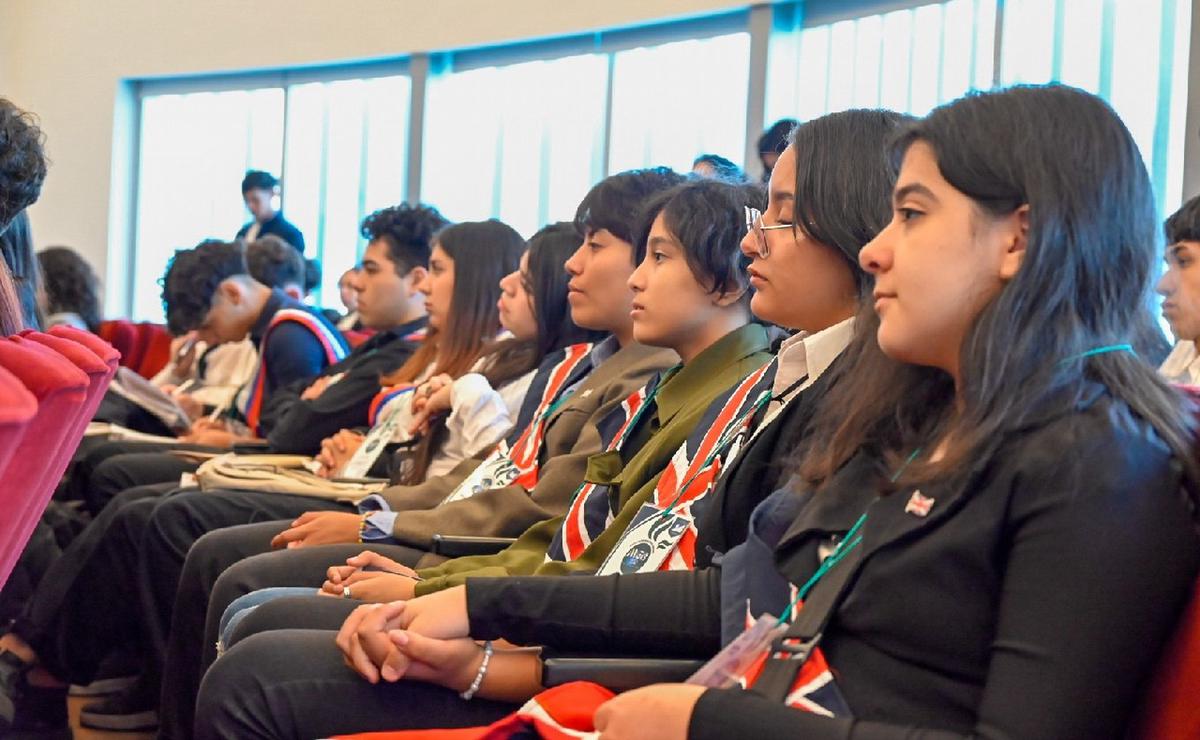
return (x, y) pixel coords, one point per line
(381, 295)
(260, 203)
(1180, 289)
(937, 264)
(598, 290)
(223, 322)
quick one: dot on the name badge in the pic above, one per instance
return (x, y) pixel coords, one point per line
(496, 471)
(647, 542)
(376, 441)
(728, 667)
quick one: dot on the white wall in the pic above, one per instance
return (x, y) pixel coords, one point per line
(66, 61)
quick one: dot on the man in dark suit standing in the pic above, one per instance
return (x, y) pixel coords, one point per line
(260, 191)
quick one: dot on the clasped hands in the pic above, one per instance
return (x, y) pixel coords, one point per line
(428, 639)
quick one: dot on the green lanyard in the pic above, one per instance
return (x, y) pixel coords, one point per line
(852, 540)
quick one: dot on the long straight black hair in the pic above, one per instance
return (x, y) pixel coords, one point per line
(1083, 283)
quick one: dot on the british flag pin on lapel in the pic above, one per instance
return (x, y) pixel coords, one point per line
(918, 504)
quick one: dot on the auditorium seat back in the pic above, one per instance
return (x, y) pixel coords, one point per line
(17, 408)
(61, 390)
(97, 345)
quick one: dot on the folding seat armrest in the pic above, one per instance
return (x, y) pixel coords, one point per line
(458, 546)
(617, 674)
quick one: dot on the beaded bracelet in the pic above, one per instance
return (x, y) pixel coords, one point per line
(487, 658)
(362, 527)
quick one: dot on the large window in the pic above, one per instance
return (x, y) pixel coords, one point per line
(195, 150)
(1132, 53)
(677, 100)
(521, 142)
(520, 132)
(345, 157)
(908, 60)
(340, 148)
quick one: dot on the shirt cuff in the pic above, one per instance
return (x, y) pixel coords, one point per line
(379, 521)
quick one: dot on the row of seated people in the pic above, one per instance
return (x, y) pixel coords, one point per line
(959, 486)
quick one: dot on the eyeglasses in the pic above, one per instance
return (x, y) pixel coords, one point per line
(755, 226)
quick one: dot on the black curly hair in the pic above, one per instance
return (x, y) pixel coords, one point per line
(70, 284)
(22, 161)
(192, 278)
(275, 263)
(408, 231)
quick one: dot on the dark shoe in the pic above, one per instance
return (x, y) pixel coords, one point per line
(26, 711)
(133, 709)
(117, 673)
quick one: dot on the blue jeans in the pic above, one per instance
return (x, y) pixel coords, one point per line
(243, 605)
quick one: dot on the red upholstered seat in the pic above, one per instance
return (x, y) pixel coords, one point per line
(17, 408)
(122, 335)
(155, 344)
(98, 345)
(61, 390)
(1171, 709)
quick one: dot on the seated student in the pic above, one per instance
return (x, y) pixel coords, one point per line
(71, 289)
(393, 266)
(350, 321)
(201, 378)
(549, 453)
(1017, 456)
(690, 293)
(221, 372)
(260, 192)
(1180, 289)
(210, 290)
(809, 279)
(461, 290)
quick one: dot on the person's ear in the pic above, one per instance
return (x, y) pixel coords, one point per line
(727, 298)
(294, 291)
(231, 291)
(1016, 240)
(413, 280)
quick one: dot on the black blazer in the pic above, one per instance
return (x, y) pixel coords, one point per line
(1031, 602)
(280, 227)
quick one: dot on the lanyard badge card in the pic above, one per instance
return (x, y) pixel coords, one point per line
(727, 668)
(650, 538)
(376, 441)
(496, 471)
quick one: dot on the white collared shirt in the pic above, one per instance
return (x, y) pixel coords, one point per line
(1182, 365)
(810, 354)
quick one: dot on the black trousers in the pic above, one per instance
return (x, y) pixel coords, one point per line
(108, 468)
(87, 604)
(293, 683)
(175, 525)
(220, 567)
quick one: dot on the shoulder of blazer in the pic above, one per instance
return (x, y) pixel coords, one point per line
(618, 376)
